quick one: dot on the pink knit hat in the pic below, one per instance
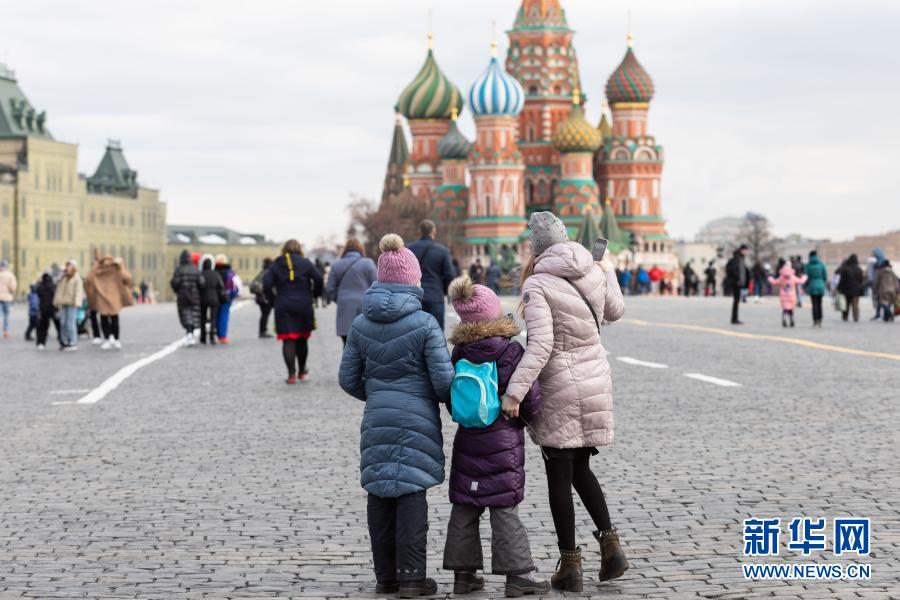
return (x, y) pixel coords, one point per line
(473, 302)
(397, 264)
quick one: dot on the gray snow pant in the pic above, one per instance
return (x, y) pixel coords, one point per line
(510, 550)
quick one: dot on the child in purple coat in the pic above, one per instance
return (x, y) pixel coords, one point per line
(488, 468)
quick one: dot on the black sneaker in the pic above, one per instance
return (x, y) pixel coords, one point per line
(388, 587)
(517, 586)
(417, 589)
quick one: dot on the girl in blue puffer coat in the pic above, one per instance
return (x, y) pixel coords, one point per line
(396, 360)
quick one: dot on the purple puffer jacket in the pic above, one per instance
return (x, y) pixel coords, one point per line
(488, 468)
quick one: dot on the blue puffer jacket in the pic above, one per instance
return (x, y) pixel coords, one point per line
(396, 360)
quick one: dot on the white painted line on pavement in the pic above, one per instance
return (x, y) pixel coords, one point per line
(641, 363)
(61, 402)
(61, 392)
(713, 380)
(127, 371)
(100, 392)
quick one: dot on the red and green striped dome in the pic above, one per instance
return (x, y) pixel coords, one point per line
(629, 82)
(430, 95)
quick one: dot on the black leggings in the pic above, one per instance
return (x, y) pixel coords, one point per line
(295, 353)
(110, 326)
(816, 307)
(95, 328)
(562, 475)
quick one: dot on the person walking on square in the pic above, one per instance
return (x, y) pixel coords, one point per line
(396, 361)
(212, 292)
(108, 288)
(710, 272)
(350, 277)
(488, 468)
(875, 260)
(737, 278)
(46, 290)
(34, 312)
(816, 285)
(290, 285)
(265, 308)
(186, 284)
(760, 276)
(565, 297)
(851, 285)
(69, 296)
(8, 286)
(232, 291)
(493, 276)
(886, 290)
(437, 270)
(788, 281)
(476, 271)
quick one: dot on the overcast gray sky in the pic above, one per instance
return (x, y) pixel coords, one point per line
(265, 116)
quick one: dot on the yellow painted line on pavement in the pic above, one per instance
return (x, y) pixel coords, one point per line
(769, 338)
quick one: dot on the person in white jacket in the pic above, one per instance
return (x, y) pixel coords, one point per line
(8, 285)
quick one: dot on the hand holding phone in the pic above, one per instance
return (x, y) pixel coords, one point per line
(600, 249)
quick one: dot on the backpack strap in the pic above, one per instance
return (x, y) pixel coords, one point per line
(586, 301)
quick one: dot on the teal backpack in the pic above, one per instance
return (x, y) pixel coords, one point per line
(474, 394)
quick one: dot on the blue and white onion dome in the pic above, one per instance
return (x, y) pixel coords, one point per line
(496, 92)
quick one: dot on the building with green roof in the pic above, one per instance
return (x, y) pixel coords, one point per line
(50, 213)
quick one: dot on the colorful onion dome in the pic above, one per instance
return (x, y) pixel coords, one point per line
(575, 134)
(540, 14)
(496, 92)
(454, 145)
(430, 95)
(629, 82)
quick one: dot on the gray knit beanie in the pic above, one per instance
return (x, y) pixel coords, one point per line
(546, 230)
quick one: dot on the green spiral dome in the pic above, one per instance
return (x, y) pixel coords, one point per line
(430, 95)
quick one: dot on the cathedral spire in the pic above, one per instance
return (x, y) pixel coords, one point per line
(399, 154)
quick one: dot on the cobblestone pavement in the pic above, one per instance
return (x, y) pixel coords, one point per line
(204, 476)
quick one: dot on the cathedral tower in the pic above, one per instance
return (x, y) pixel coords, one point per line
(451, 198)
(629, 164)
(393, 178)
(576, 140)
(496, 211)
(542, 58)
(427, 103)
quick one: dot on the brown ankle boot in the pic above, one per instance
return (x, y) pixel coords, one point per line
(568, 571)
(612, 559)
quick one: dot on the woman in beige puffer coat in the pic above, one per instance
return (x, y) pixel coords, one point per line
(564, 352)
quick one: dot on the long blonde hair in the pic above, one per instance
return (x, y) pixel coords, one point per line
(527, 271)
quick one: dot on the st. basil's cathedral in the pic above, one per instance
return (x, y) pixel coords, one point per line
(533, 150)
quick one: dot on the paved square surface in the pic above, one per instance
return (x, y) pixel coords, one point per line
(204, 476)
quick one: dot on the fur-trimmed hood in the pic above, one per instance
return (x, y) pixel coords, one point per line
(466, 333)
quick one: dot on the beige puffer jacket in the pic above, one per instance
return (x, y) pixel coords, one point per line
(564, 349)
(69, 291)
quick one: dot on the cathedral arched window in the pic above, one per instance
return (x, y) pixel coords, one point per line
(529, 192)
(553, 187)
(533, 90)
(542, 191)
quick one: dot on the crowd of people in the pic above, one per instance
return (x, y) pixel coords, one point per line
(792, 277)
(70, 302)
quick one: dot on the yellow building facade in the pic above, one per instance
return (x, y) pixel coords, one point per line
(49, 213)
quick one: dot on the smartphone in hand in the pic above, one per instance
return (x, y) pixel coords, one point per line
(600, 249)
